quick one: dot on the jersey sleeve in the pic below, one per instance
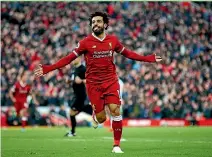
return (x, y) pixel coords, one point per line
(80, 48)
(119, 48)
(131, 54)
(14, 87)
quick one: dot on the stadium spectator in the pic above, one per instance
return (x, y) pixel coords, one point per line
(182, 31)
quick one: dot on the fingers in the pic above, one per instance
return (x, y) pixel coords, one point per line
(158, 58)
(38, 71)
(38, 74)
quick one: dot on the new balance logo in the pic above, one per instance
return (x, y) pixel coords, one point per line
(94, 47)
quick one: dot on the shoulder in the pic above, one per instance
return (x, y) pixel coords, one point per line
(87, 39)
(17, 84)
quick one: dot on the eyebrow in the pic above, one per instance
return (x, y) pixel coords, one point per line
(97, 20)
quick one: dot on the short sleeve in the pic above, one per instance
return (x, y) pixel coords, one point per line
(14, 87)
(119, 48)
(80, 48)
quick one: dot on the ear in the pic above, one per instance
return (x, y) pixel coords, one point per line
(105, 25)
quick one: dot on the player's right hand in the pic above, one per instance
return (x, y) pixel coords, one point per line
(38, 71)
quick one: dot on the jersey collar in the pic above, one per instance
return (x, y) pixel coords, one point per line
(98, 37)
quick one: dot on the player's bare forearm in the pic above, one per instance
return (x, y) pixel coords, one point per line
(149, 58)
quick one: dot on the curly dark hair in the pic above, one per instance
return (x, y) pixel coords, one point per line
(102, 14)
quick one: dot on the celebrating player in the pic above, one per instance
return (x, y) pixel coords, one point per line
(101, 78)
(18, 94)
(79, 103)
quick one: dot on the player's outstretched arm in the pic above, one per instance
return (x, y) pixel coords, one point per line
(149, 58)
(44, 69)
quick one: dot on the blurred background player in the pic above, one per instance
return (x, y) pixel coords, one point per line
(19, 93)
(80, 96)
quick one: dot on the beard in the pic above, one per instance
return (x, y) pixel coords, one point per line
(98, 31)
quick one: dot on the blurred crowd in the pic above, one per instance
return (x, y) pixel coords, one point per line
(181, 32)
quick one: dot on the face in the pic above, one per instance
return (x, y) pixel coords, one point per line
(98, 25)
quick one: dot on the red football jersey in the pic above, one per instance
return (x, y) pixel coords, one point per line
(99, 57)
(21, 92)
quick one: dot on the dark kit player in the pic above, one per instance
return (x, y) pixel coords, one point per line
(80, 96)
(101, 78)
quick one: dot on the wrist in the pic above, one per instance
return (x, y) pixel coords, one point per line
(152, 58)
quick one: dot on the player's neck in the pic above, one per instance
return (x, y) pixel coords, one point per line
(100, 37)
(23, 84)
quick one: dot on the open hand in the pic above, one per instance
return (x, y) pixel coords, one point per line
(158, 58)
(38, 71)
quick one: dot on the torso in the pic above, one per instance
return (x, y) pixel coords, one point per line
(21, 92)
(99, 59)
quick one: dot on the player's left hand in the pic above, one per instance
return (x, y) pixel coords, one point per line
(158, 58)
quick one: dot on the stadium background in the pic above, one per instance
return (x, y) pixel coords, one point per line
(179, 88)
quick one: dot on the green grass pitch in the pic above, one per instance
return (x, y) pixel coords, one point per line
(137, 142)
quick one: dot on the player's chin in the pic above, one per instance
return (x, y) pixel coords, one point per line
(97, 31)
